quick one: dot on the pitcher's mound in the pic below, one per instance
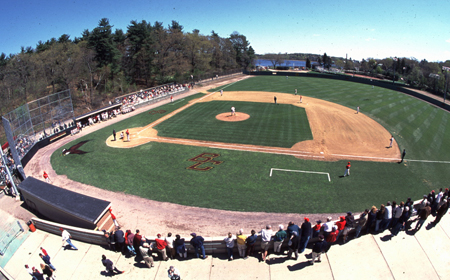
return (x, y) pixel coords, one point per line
(226, 117)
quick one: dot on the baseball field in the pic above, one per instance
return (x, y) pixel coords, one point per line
(287, 157)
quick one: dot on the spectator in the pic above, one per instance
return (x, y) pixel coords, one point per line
(46, 260)
(435, 205)
(137, 241)
(327, 227)
(333, 236)
(47, 271)
(197, 243)
(319, 247)
(229, 241)
(306, 235)
(129, 236)
(161, 245)
(110, 268)
(173, 273)
(316, 229)
(387, 217)
(37, 274)
(423, 215)
(250, 241)
(146, 254)
(266, 236)
(401, 221)
(44, 252)
(180, 246)
(340, 226)
(361, 222)
(397, 213)
(279, 238)
(349, 225)
(293, 245)
(66, 238)
(170, 248)
(240, 238)
(379, 217)
(120, 240)
(291, 228)
(441, 212)
(112, 241)
(30, 271)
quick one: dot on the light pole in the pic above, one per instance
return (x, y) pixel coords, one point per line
(393, 78)
(446, 69)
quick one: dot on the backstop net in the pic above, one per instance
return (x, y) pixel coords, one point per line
(39, 119)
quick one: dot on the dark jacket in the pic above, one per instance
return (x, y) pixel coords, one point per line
(424, 213)
(306, 229)
(251, 239)
(120, 236)
(350, 221)
(46, 259)
(291, 229)
(320, 247)
(197, 241)
(108, 264)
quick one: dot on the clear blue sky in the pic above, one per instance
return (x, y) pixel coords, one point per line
(361, 29)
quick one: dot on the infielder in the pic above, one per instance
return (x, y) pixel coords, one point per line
(221, 92)
(392, 141)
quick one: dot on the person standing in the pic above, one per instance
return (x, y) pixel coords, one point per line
(146, 254)
(306, 235)
(197, 243)
(423, 215)
(301, 99)
(37, 275)
(46, 260)
(319, 248)
(328, 227)
(47, 271)
(357, 110)
(109, 265)
(66, 238)
(30, 271)
(361, 222)
(128, 135)
(221, 92)
(275, 99)
(349, 225)
(171, 98)
(137, 241)
(441, 212)
(295, 91)
(129, 236)
(347, 169)
(229, 242)
(114, 134)
(161, 245)
(391, 141)
(170, 249)
(266, 236)
(180, 246)
(233, 111)
(120, 240)
(251, 240)
(371, 218)
(279, 238)
(46, 177)
(240, 239)
(293, 243)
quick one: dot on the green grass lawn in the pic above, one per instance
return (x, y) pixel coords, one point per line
(269, 124)
(159, 170)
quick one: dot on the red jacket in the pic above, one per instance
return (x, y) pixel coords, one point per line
(160, 243)
(332, 237)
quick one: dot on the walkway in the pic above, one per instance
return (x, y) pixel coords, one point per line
(424, 255)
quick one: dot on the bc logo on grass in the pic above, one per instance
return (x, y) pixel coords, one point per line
(203, 162)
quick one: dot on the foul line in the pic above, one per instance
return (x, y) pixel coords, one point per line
(301, 171)
(173, 103)
(416, 160)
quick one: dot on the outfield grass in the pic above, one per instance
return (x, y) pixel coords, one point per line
(242, 183)
(272, 125)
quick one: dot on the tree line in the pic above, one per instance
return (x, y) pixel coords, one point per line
(103, 63)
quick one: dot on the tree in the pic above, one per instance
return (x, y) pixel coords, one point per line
(326, 60)
(308, 63)
(275, 59)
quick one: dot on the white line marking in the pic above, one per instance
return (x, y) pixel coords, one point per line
(301, 171)
(416, 160)
(173, 103)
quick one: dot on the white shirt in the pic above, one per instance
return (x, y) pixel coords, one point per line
(65, 235)
(229, 241)
(388, 212)
(439, 197)
(398, 212)
(266, 234)
(169, 241)
(328, 226)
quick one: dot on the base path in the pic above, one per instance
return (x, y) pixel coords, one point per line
(338, 131)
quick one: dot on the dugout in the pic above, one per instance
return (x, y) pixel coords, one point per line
(64, 206)
(84, 118)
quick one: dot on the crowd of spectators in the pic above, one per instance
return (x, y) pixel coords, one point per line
(392, 217)
(149, 94)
